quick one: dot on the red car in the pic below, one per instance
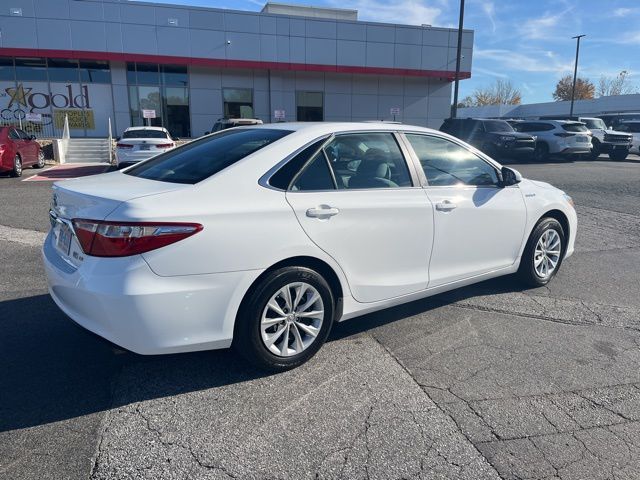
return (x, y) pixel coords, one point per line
(18, 150)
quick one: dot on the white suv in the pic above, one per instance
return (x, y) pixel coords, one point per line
(556, 137)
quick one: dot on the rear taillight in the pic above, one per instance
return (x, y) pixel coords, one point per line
(124, 145)
(121, 239)
(164, 145)
(564, 134)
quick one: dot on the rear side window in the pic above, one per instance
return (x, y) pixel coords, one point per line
(497, 126)
(283, 177)
(203, 158)
(575, 127)
(534, 127)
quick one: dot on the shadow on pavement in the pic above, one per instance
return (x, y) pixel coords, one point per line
(54, 370)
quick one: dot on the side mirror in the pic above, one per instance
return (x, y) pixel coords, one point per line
(117, 139)
(176, 139)
(32, 137)
(207, 133)
(510, 176)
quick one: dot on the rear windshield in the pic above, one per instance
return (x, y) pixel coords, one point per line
(144, 134)
(575, 127)
(497, 126)
(202, 158)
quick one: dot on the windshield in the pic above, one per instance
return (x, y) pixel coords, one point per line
(497, 126)
(203, 158)
(594, 123)
(144, 134)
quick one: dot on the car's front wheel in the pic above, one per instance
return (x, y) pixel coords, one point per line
(285, 319)
(543, 253)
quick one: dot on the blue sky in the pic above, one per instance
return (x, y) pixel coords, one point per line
(526, 41)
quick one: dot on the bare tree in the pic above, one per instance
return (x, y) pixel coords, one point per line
(618, 85)
(502, 92)
(584, 89)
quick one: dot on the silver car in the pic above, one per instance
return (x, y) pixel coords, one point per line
(556, 137)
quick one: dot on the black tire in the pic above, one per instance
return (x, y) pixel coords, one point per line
(40, 163)
(527, 271)
(618, 155)
(541, 152)
(595, 149)
(247, 339)
(17, 167)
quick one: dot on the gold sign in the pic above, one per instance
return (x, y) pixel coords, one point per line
(78, 119)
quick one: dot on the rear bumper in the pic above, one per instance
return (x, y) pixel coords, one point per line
(123, 301)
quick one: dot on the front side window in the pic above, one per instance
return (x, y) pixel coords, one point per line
(13, 134)
(203, 158)
(238, 102)
(497, 126)
(368, 160)
(448, 164)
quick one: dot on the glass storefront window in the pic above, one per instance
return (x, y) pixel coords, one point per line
(63, 70)
(238, 102)
(174, 75)
(31, 69)
(163, 88)
(176, 111)
(6, 69)
(94, 72)
(147, 74)
(309, 106)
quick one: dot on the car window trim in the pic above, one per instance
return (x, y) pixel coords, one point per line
(492, 163)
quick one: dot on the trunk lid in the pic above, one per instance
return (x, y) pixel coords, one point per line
(97, 196)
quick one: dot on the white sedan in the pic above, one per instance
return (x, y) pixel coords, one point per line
(262, 237)
(141, 143)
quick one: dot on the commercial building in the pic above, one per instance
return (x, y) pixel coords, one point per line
(95, 61)
(585, 108)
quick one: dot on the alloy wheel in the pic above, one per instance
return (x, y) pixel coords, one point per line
(547, 253)
(17, 166)
(40, 159)
(292, 319)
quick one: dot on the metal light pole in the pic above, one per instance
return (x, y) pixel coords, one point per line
(575, 72)
(454, 107)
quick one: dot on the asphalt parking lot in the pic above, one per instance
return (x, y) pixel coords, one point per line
(490, 381)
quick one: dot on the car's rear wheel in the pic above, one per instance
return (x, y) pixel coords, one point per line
(285, 319)
(40, 163)
(17, 166)
(543, 253)
(541, 152)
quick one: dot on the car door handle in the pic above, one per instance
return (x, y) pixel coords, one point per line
(445, 206)
(322, 211)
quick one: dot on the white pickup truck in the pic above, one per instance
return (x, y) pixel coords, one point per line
(605, 140)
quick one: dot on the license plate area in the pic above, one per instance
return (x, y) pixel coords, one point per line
(63, 239)
(582, 139)
(145, 147)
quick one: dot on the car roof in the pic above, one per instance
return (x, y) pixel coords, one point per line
(321, 128)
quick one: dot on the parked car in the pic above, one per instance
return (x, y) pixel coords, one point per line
(612, 120)
(556, 137)
(18, 149)
(603, 140)
(262, 237)
(224, 123)
(632, 127)
(496, 138)
(142, 143)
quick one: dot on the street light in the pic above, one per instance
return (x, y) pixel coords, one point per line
(575, 72)
(454, 107)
